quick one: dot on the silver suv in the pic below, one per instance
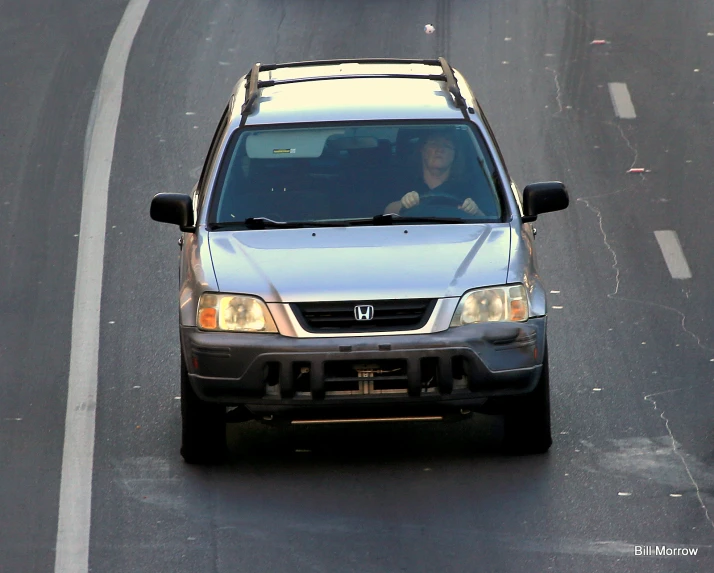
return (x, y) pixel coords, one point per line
(355, 250)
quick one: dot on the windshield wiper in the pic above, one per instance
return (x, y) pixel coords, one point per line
(392, 218)
(258, 223)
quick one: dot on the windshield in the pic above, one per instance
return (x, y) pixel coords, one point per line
(323, 174)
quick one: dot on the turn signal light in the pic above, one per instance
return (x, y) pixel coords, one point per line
(519, 309)
(207, 318)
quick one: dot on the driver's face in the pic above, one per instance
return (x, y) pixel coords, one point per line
(438, 153)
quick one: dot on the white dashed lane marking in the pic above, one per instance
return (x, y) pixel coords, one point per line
(621, 101)
(673, 254)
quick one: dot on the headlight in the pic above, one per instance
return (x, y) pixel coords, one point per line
(233, 313)
(506, 303)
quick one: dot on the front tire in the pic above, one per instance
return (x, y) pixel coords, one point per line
(203, 425)
(527, 420)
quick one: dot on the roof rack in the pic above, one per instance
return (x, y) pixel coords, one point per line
(453, 87)
(251, 92)
(253, 84)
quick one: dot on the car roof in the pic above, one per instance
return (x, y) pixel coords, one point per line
(352, 90)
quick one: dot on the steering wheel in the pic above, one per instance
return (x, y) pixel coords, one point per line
(441, 205)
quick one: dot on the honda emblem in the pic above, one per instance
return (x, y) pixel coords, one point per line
(364, 312)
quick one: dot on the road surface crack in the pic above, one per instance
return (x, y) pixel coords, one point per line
(615, 265)
(627, 141)
(614, 295)
(649, 398)
(558, 97)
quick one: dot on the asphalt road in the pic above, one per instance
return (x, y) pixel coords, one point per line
(631, 348)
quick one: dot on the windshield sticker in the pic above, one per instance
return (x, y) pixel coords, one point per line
(278, 151)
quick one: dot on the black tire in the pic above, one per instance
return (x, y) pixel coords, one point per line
(203, 426)
(526, 423)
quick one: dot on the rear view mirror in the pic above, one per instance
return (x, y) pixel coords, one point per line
(543, 198)
(173, 208)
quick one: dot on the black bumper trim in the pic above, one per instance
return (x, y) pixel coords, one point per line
(484, 360)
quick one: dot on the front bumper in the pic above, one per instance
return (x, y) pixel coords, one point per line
(460, 366)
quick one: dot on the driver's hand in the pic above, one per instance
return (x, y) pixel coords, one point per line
(469, 205)
(410, 200)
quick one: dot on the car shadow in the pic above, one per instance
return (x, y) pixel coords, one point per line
(475, 439)
(345, 478)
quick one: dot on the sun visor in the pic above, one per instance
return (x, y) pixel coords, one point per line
(292, 143)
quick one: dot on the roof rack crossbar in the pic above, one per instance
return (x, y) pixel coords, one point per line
(271, 67)
(270, 83)
(453, 87)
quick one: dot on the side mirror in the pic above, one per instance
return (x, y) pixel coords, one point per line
(173, 208)
(543, 198)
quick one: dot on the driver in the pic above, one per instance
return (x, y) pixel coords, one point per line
(437, 156)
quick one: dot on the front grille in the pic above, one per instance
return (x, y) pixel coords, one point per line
(367, 376)
(343, 377)
(388, 315)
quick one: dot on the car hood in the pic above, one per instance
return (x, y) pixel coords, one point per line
(361, 263)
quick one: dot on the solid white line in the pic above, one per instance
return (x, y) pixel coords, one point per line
(673, 254)
(621, 101)
(75, 502)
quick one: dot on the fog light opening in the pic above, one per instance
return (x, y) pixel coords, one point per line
(271, 379)
(457, 367)
(429, 372)
(458, 371)
(301, 376)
